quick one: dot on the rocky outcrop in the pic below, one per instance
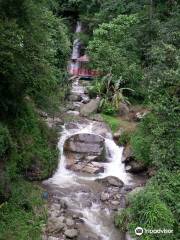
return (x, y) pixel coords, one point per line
(127, 154)
(131, 164)
(84, 151)
(118, 134)
(123, 109)
(71, 233)
(89, 108)
(112, 196)
(61, 224)
(135, 167)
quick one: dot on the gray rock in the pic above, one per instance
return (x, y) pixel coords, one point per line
(89, 108)
(81, 149)
(114, 181)
(117, 134)
(55, 226)
(104, 196)
(123, 109)
(75, 98)
(70, 222)
(53, 238)
(135, 167)
(127, 154)
(115, 203)
(71, 233)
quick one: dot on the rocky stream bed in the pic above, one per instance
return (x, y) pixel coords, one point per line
(90, 184)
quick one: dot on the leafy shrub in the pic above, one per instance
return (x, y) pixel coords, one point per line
(23, 216)
(107, 107)
(148, 211)
(36, 144)
(155, 207)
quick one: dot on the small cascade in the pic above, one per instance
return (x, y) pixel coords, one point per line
(82, 192)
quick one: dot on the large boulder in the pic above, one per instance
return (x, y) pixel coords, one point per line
(135, 167)
(83, 152)
(89, 108)
(118, 134)
(111, 181)
(85, 146)
(127, 154)
(123, 109)
(75, 98)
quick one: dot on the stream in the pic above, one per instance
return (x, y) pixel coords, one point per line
(76, 210)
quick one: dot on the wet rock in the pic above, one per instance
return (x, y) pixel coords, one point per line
(75, 98)
(104, 196)
(85, 100)
(83, 150)
(71, 233)
(123, 109)
(115, 203)
(89, 108)
(55, 226)
(93, 168)
(127, 154)
(101, 129)
(70, 222)
(113, 181)
(118, 134)
(85, 143)
(135, 167)
(53, 238)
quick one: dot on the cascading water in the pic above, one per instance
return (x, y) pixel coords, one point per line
(80, 191)
(97, 219)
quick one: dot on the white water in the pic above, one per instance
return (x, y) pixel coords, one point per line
(97, 219)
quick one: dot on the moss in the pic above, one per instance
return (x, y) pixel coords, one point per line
(112, 121)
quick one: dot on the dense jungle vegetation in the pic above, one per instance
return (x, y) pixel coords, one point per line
(136, 45)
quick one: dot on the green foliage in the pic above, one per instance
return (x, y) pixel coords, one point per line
(114, 50)
(110, 92)
(23, 216)
(155, 207)
(112, 121)
(37, 144)
(125, 138)
(33, 53)
(5, 140)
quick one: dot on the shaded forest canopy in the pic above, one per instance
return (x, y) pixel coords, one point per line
(137, 44)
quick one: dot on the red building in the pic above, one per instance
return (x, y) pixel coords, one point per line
(78, 67)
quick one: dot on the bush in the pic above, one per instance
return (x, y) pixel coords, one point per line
(148, 211)
(37, 151)
(23, 216)
(155, 207)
